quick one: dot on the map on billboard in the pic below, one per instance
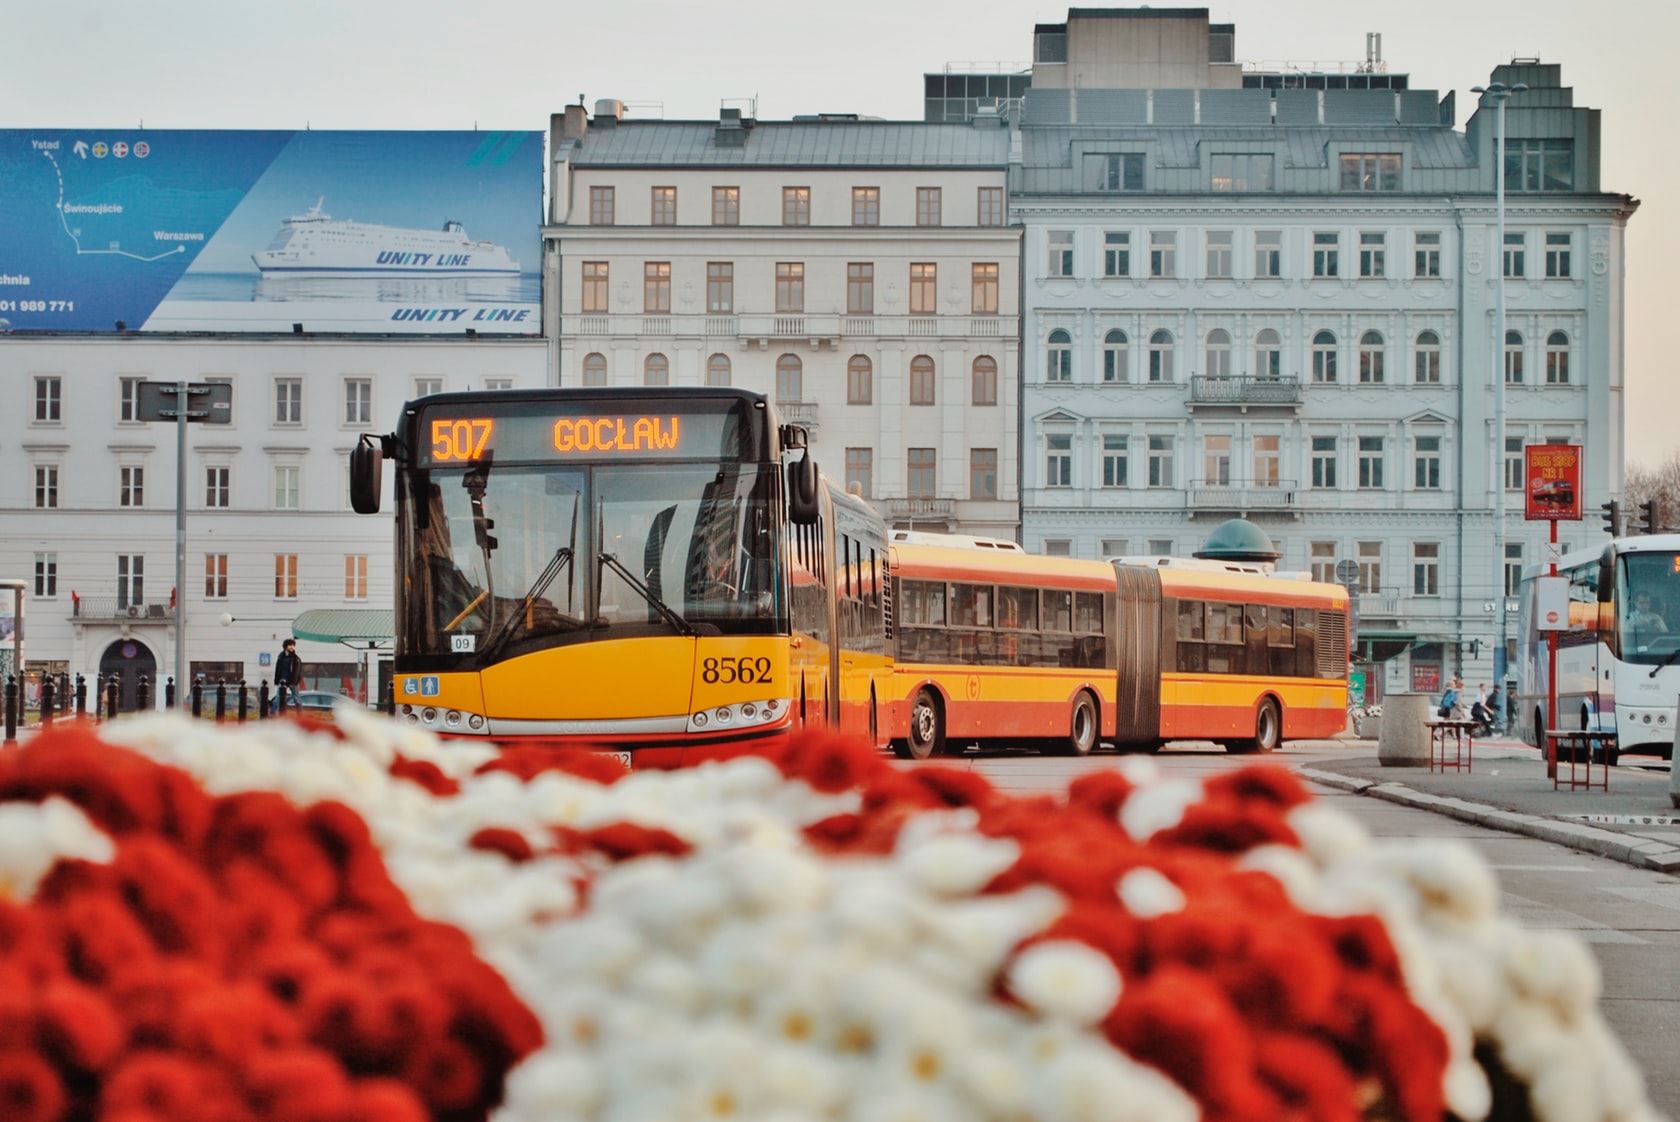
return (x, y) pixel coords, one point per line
(234, 231)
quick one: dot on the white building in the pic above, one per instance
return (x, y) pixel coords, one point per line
(860, 271)
(1272, 295)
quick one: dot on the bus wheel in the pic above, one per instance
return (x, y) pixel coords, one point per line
(1082, 730)
(1268, 731)
(927, 727)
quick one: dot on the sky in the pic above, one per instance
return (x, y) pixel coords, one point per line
(509, 64)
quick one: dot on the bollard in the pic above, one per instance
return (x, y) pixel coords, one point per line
(390, 704)
(113, 695)
(81, 697)
(169, 693)
(49, 691)
(198, 696)
(11, 709)
(143, 694)
(262, 701)
(244, 701)
(221, 700)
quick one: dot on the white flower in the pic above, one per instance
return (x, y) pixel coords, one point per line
(1066, 979)
(1093, 1083)
(1554, 969)
(552, 1084)
(1157, 807)
(1146, 893)
(1327, 834)
(1291, 868)
(956, 864)
(36, 836)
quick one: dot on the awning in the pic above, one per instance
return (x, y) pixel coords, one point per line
(356, 627)
(1374, 645)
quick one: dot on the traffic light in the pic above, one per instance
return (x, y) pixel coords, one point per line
(1648, 516)
(1612, 517)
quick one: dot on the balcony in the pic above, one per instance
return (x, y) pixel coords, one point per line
(931, 513)
(113, 609)
(799, 413)
(1245, 393)
(1241, 498)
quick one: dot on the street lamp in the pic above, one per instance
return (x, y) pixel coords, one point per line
(1500, 93)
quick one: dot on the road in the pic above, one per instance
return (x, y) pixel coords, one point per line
(1628, 917)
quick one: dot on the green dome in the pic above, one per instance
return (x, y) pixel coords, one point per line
(1239, 540)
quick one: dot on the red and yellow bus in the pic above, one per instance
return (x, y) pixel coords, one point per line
(654, 570)
(1001, 647)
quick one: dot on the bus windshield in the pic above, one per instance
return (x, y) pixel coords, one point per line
(1649, 606)
(503, 560)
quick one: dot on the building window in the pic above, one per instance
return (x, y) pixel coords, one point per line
(1368, 172)
(1557, 255)
(922, 380)
(131, 486)
(1268, 254)
(984, 380)
(860, 471)
(1515, 257)
(1427, 359)
(1513, 358)
(1370, 463)
(1117, 253)
(790, 380)
(216, 487)
(1160, 461)
(1268, 355)
(1058, 547)
(1161, 356)
(49, 399)
(1327, 248)
(1218, 353)
(924, 289)
(1115, 547)
(286, 484)
(46, 486)
(1219, 254)
(1241, 171)
(921, 480)
(1268, 460)
(860, 381)
(1060, 261)
(1060, 355)
(426, 386)
(866, 206)
(1058, 460)
(1216, 460)
(1426, 568)
(46, 575)
(131, 580)
(1370, 568)
(860, 288)
(984, 285)
(1116, 463)
(1371, 358)
(1513, 463)
(927, 206)
(1539, 165)
(285, 576)
(726, 206)
(718, 370)
(1163, 253)
(600, 206)
(594, 369)
(1373, 253)
(990, 203)
(595, 286)
(656, 370)
(358, 401)
(288, 401)
(1557, 359)
(1513, 567)
(1324, 357)
(656, 287)
(720, 287)
(1115, 365)
(982, 473)
(1322, 562)
(664, 206)
(1324, 463)
(215, 576)
(1115, 171)
(128, 398)
(796, 206)
(1427, 468)
(491, 383)
(790, 286)
(1426, 254)
(355, 576)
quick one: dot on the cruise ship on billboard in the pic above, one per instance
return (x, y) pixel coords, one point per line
(313, 245)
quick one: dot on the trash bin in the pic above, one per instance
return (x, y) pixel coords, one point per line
(1403, 740)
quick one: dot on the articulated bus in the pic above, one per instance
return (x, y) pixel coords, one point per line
(1618, 665)
(651, 570)
(1060, 654)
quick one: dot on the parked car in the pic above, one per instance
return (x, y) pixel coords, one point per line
(318, 701)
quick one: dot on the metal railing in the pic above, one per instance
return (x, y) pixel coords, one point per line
(120, 609)
(1222, 495)
(1208, 390)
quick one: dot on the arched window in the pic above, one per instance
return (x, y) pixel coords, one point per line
(1513, 358)
(985, 380)
(1060, 366)
(1371, 358)
(1115, 366)
(860, 381)
(594, 369)
(1557, 359)
(717, 370)
(1268, 355)
(656, 371)
(1219, 353)
(1427, 369)
(922, 380)
(790, 380)
(1324, 357)
(1161, 356)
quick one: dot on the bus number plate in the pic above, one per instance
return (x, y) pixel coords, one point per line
(621, 757)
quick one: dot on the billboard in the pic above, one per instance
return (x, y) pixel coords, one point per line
(234, 231)
(1552, 482)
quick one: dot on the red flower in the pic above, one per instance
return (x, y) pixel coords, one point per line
(1227, 827)
(116, 788)
(344, 838)
(528, 760)
(165, 1086)
(234, 1022)
(257, 911)
(499, 839)
(1261, 783)
(263, 827)
(385, 1100)
(951, 787)
(78, 1027)
(30, 1090)
(1103, 792)
(171, 897)
(103, 942)
(28, 947)
(297, 1085)
(1309, 1076)
(828, 761)
(622, 841)
(425, 773)
(448, 1077)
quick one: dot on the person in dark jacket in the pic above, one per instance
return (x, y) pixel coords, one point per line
(288, 674)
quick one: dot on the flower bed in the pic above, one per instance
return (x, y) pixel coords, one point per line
(358, 924)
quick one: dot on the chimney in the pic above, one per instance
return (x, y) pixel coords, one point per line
(730, 133)
(575, 123)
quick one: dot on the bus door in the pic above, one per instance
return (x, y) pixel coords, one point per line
(1138, 641)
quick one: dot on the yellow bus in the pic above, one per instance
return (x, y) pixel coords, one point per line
(652, 570)
(1012, 649)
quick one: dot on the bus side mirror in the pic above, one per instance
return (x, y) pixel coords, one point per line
(802, 491)
(366, 476)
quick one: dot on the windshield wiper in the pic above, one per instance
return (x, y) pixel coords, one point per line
(1668, 660)
(557, 564)
(665, 610)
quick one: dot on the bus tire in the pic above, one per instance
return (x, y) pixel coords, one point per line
(1268, 731)
(1084, 726)
(927, 726)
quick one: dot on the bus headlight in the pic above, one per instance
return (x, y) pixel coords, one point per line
(457, 721)
(743, 713)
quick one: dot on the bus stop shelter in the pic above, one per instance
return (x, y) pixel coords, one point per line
(367, 631)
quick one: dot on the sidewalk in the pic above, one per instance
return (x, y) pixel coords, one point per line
(1507, 789)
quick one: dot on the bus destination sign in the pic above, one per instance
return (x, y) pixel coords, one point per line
(467, 434)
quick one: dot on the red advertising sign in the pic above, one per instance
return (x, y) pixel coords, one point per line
(1552, 482)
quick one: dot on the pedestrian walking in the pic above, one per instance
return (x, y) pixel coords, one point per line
(288, 673)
